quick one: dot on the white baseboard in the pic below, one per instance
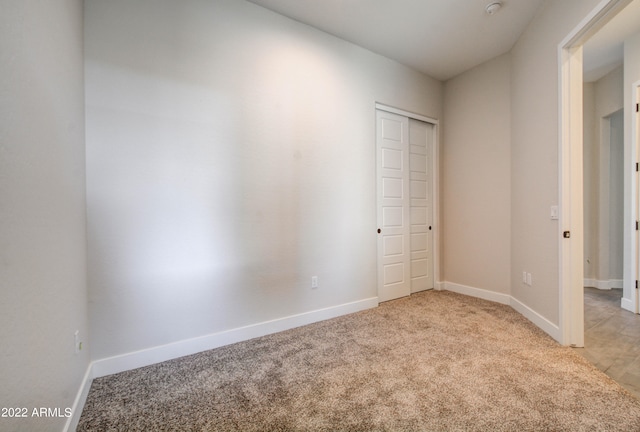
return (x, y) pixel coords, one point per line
(78, 404)
(547, 326)
(627, 304)
(616, 283)
(477, 292)
(124, 362)
(604, 284)
(439, 286)
(146, 357)
(162, 353)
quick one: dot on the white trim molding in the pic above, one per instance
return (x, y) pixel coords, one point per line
(628, 305)
(146, 357)
(631, 237)
(477, 292)
(78, 404)
(540, 321)
(129, 361)
(544, 324)
(604, 284)
(157, 354)
(404, 113)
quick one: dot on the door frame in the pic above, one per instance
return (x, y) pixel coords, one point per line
(570, 142)
(632, 303)
(435, 188)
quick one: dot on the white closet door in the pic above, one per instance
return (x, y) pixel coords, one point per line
(421, 205)
(392, 142)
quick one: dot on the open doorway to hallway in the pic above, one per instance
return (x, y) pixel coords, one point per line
(621, 18)
(609, 182)
(604, 181)
(611, 331)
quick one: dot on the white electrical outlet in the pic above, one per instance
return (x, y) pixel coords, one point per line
(314, 281)
(529, 281)
(524, 277)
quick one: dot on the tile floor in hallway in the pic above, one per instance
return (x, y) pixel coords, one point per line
(612, 337)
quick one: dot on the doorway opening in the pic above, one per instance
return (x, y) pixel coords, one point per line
(571, 247)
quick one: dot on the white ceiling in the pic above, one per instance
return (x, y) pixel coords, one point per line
(443, 38)
(604, 51)
(440, 38)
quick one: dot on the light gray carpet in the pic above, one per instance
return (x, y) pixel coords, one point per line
(436, 361)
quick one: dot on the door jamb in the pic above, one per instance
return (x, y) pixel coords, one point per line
(632, 303)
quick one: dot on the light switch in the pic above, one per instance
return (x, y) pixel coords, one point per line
(555, 214)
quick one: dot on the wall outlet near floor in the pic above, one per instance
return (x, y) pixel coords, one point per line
(314, 282)
(529, 280)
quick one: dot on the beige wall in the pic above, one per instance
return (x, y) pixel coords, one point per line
(534, 154)
(230, 157)
(476, 174)
(42, 210)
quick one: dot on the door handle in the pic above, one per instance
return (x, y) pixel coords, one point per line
(379, 230)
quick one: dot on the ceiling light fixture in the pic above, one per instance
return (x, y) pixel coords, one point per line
(494, 7)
